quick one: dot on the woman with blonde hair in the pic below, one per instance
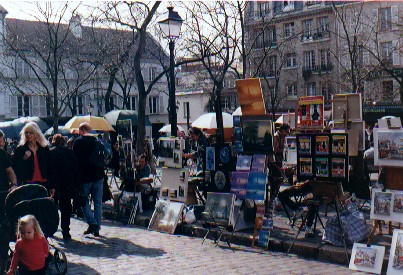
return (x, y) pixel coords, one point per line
(31, 157)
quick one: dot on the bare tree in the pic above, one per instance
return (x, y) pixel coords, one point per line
(53, 52)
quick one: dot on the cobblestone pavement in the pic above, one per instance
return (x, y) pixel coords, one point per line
(129, 250)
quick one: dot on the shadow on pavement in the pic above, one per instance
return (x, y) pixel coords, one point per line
(108, 247)
(73, 268)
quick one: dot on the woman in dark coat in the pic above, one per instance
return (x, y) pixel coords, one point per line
(31, 158)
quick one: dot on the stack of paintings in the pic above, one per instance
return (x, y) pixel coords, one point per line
(322, 156)
(387, 205)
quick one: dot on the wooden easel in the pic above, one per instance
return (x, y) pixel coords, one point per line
(393, 181)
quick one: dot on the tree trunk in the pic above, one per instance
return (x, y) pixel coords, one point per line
(219, 117)
(109, 90)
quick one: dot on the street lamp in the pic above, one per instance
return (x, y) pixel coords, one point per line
(171, 27)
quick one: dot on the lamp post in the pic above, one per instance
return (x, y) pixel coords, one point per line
(171, 27)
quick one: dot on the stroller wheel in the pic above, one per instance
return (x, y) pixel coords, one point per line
(60, 261)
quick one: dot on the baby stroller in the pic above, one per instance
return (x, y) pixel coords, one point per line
(30, 199)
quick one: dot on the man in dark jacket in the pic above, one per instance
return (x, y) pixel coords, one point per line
(91, 177)
(63, 172)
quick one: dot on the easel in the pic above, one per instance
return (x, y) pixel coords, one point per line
(393, 181)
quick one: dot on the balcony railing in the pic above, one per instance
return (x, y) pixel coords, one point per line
(323, 68)
(315, 36)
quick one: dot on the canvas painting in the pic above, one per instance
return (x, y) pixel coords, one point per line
(166, 216)
(305, 166)
(388, 147)
(339, 145)
(322, 145)
(395, 265)
(398, 202)
(174, 184)
(338, 168)
(170, 152)
(238, 133)
(239, 180)
(238, 146)
(321, 167)
(258, 163)
(220, 206)
(250, 96)
(210, 158)
(243, 163)
(256, 187)
(310, 112)
(236, 121)
(207, 176)
(166, 147)
(291, 143)
(382, 203)
(257, 134)
(368, 259)
(304, 145)
(264, 236)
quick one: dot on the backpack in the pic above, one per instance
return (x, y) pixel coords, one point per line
(101, 156)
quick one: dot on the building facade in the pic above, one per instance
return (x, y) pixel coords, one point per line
(83, 73)
(312, 48)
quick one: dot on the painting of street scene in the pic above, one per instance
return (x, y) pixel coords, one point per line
(166, 216)
(382, 203)
(398, 203)
(365, 256)
(398, 255)
(390, 145)
(257, 134)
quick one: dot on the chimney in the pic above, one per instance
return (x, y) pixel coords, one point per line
(75, 26)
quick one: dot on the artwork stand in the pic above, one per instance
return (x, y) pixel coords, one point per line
(394, 181)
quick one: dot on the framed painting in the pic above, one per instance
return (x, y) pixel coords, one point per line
(367, 259)
(166, 216)
(221, 207)
(395, 265)
(387, 205)
(257, 134)
(388, 147)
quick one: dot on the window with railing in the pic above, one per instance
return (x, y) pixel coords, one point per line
(309, 60)
(271, 37)
(325, 60)
(264, 8)
(292, 91)
(272, 65)
(307, 28)
(323, 24)
(312, 3)
(326, 90)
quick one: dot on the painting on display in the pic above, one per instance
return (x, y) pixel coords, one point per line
(338, 167)
(395, 265)
(290, 150)
(305, 167)
(210, 158)
(166, 216)
(258, 163)
(388, 147)
(311, 114)
(257, 135)
(220, 206)
(322, 167)
(239, 180)
(339, 145)
(321, 145)
(367, 259)
(243, 163)
(304, 145)
(387, 205)
(256, 187)
(250, 96)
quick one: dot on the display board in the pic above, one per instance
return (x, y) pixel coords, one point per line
(250, 96)
(174, 184)
(311, 112)
(322, 156)
(388, 147)
(346, 107)
(170, 152)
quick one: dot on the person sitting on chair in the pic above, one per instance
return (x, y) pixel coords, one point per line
(114, 164)
(303, 189)
(143, 171)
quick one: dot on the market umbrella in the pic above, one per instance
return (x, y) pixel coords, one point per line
(63, 131)
(96, 123)
(208, 121)
(114, 116)
(24, 120)
(167, 129)
(10, 129)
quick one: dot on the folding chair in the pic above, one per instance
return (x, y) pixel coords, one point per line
(210, 223)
